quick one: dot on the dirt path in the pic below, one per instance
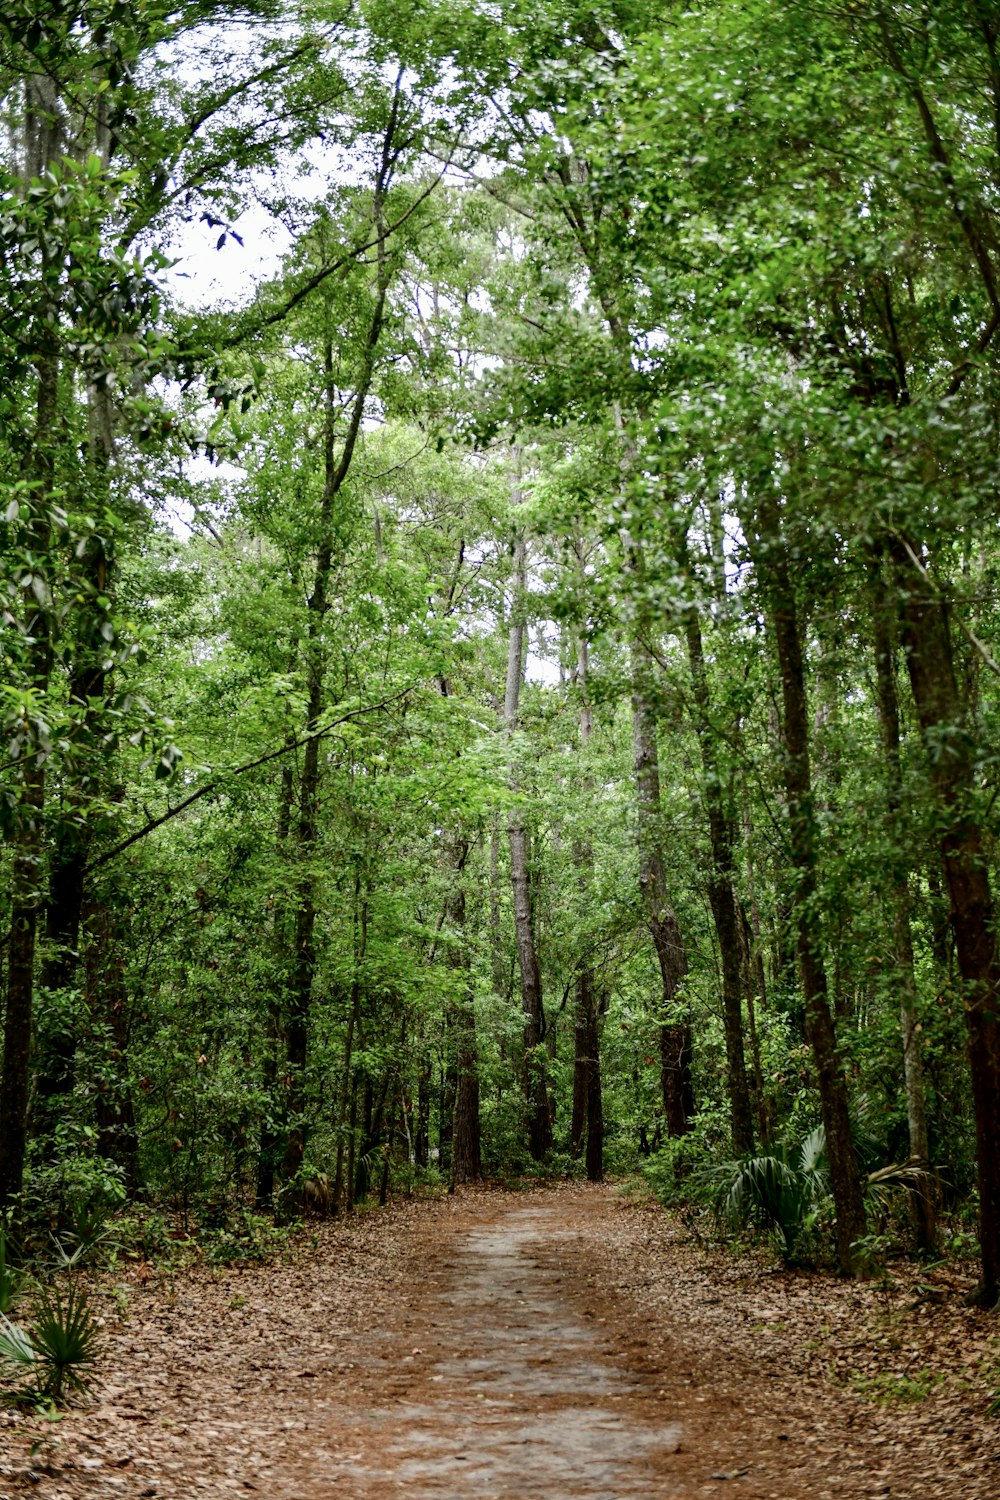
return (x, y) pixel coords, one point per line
(523, 1392)
(566, 1344)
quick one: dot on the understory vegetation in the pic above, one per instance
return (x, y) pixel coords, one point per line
(498, 613)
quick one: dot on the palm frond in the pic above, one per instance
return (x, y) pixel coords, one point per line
(16, 1347)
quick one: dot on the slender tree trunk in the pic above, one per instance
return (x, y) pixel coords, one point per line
(675, 1025)
(25, 904)
(88, 686)
(372, 1126)
(926, 638)
(722, 898)
(535, 1084)
(345, 1104)
(359, 942)
(352, 1145)
(754, 978)
(269, 1153)
(753, 988)
(107, 1002)
(41, 146)
(498, 964)
(466, 1162)
(899, 877)
(588, 1107)
(754, 945)
(845, 1176)
(28, 847)
(422, 1126)
(304, 949)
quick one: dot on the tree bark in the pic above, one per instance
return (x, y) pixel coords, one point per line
(88, 687)
(753, 988)
(345, 1132)
(588, 1108)
(27, 874)
(498, 964)
(466, 1160)
(675, 1030)
(269, 1152)
(926, 637)
(884, 643)
(845, 1177)
(722, 897)
(535, 1081)
(107, 1002)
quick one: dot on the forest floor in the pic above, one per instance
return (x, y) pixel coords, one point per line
(565, 1342)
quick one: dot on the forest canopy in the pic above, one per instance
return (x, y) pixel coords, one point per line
(510, 683)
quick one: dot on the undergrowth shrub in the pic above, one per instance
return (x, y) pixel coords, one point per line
(60, 1346)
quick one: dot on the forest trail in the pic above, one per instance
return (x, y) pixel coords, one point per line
(563, 1343)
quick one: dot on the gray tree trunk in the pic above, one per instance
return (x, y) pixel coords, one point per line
(535, 1082)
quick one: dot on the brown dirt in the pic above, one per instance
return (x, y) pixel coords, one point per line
(567, 1343)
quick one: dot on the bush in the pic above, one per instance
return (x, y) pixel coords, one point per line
(782, 1191)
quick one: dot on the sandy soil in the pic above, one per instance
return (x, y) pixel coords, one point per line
(567, 1343)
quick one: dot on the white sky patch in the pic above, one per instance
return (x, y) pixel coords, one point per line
(203, 275)
(541, 670)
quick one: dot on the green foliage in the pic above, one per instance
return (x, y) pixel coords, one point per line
(890, 1388)
(60, 1348)
(65, 1338)
(714, 265)
(782, 1191)
(11, 1279)
(248, 1237)
(85, 1229)
(16, 1348)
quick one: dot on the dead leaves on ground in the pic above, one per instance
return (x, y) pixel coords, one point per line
(226, 1382)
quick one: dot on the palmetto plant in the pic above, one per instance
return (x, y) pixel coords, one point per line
(87, 1230)
(783, 1189)
(65, 1339)
(780, 1190)
(61, 1346)
(15, 1344)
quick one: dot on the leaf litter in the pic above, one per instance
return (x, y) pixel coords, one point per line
(569, 1342)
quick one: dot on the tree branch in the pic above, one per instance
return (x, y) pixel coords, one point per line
(261, 760)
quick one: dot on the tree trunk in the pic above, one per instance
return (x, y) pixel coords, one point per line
(926, 639)
(845, 1176)
(588, 1104)
(588, 1108)
(753, 988)
(88, 686)
(304, 950)
(270, 1146)
(899, 879)
(422, 1126)
(535, 1083)
(25, 905)
(498, 963)
(675, 1030)
(107, 1002)
(346, 1104)
(466, 1163)
(722, 897)
(27, 840)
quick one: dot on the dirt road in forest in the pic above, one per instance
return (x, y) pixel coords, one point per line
(562, 1343)
(523, 1392)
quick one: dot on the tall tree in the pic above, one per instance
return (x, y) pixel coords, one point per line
(535, 1085)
